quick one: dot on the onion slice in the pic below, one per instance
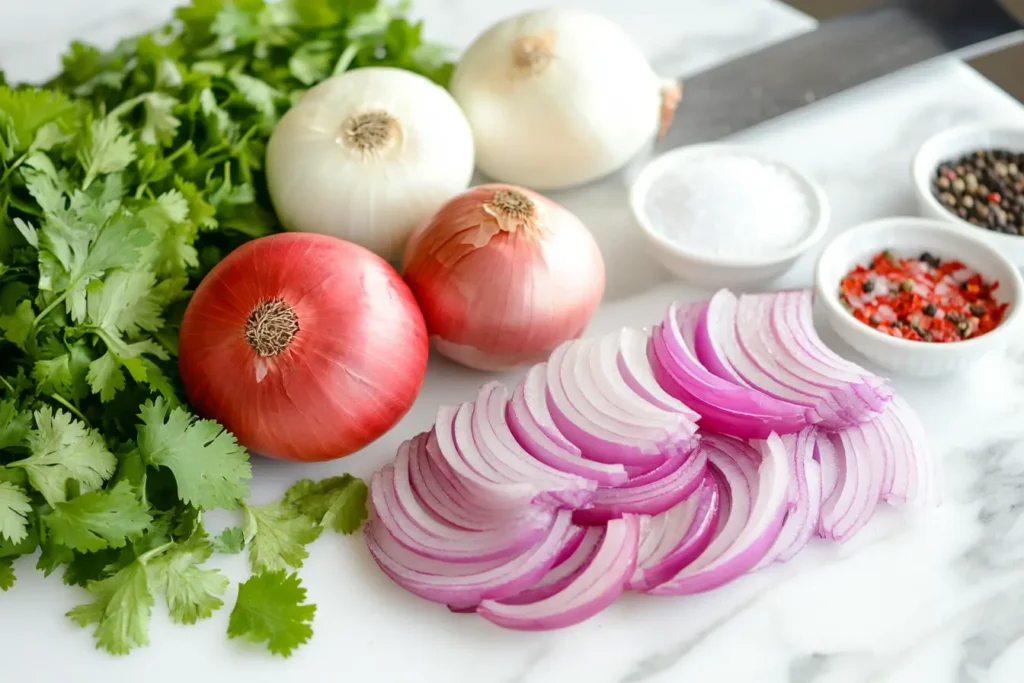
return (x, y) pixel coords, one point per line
(465, 585)
(676, 537)
(754, 518)
(723, 405)
(530, 422)
(767, 342)
(651, 493)
(598, 411)
(590, 591)
(804, 496)
(565, 571)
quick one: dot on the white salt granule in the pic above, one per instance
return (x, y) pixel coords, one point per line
(729, 206)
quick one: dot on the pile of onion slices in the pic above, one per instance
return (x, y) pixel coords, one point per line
(667, 462)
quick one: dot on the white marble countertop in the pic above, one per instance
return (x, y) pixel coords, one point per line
(936, 598)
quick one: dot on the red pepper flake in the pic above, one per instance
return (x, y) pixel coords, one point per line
(924, 299)
(994, 197)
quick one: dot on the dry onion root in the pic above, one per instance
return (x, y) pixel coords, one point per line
(653, 506)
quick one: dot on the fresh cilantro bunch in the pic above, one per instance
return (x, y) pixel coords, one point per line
(121, 183)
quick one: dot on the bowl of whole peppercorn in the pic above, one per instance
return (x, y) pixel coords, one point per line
(919, 296)
(973, 177)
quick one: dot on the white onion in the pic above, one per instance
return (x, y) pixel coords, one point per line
(558, 97)
(367, 156)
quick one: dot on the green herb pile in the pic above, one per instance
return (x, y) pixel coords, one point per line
(122, 182)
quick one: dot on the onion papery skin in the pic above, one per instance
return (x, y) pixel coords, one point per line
(351, 371)
(497, 291)
(372, 197)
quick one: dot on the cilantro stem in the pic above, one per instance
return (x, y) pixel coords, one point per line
(71, 408)
(345, 60)
(49, 309)
(149, 555)
(7, 384)
(13, 167)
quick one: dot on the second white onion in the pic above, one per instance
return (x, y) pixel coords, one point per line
(559, 97)
(367, 156)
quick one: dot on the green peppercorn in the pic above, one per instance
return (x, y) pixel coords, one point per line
(907, 285)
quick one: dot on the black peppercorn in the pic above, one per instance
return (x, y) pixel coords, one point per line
(929, 309)
(977, 311)
(868, 286)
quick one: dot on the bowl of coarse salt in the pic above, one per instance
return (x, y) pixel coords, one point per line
(720, 215)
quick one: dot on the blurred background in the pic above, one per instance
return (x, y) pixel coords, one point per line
(1005, 68)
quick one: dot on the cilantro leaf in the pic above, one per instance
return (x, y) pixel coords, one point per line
(230, 541)
(270, 608)
(6, 573)
(18, 326)
(277, 535)
(120, 610)
(99, 519)
(109, 149)
(28, 110)
(192, 593)
(14, 425)
(64, 449)
(161, 125)
(124, 302)
(337, 503)
(105, 376)
(15, 507)
(211, 469)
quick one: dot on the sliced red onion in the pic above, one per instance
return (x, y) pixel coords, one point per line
(833, 470)
(754, 519)
(805, 499)
(651, 493)
(590, 591)
(564, 572)
(463, 585)
(724, 406)
(595, 409)
(413, 525)
(635, 366)
(736, 340)
(676, 537)
(531, 424)
(862, 452)
(923, 485)
(490, 434)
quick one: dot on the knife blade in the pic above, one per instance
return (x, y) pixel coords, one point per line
(841, 53)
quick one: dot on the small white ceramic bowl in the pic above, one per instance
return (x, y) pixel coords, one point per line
(952, 144)
(724, 271)
(910, 236)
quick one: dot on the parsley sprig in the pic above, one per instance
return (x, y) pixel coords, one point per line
(122, 182)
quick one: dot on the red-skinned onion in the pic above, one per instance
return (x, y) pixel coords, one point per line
(565, 571)
(651, 493)
(723, 405)
(305, 347)
(805, 499)
(503, 276)
(676, 537)
(755, 515)
(591, 590)
(467, 584)
(530, 422)
(412, 525)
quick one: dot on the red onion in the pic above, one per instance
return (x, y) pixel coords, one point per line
(755, 515)
(467, 584)
(804, 496)
(676, 537)
(724, 406)
(503, 276)
(596, 409)
(565, 571)
(590, 591)
(736, 340)
(305, 347)
(531, 423)
(651, 493)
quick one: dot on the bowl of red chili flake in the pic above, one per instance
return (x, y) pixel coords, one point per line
(918, 296)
